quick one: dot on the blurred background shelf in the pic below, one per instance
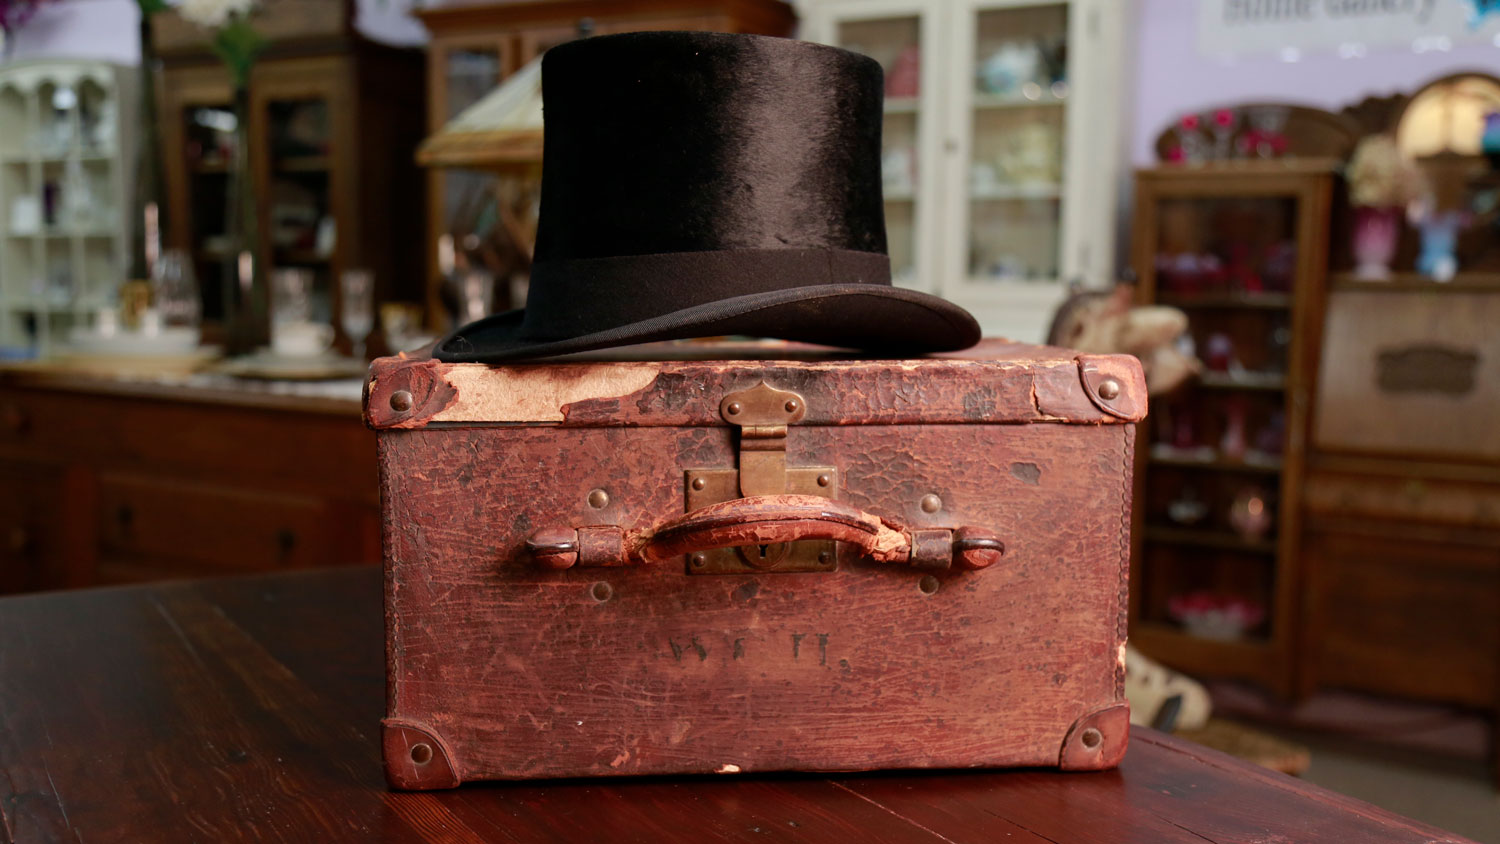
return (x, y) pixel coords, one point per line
(68, 130)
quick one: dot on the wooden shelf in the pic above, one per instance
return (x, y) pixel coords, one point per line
(997, 101)
(1228, 301)
(1216, 463)
(210, 166)
(1217, 539)
(1011, 192)
(1406, 282)
(1249, 659)
(1252, 381)
(303, 164)
(301, 256)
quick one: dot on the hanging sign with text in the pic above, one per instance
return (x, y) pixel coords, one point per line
(1292, 27)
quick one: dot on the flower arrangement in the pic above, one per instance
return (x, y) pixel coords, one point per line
(246, 299)
(15, 13)
(1381, 177)
(235, 40)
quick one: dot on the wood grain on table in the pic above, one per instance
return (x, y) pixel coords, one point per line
(247, 709)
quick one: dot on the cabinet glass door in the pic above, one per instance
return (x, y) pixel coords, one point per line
(901, 39)
(468, 208)
(1019, 89)
(1214, 492)
(302, 233)
(210, 144)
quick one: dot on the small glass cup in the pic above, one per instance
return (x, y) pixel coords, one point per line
(291, 295)
(476, 294)
(293, 332)
(174, 290)
(357, 307)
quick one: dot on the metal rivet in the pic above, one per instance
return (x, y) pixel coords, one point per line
(792, 405)
(401, 401)
(1091, 738)
(733, 408)
(699, 483)
(602, 591)
(1109, 388)
(699, 561)
(421, 753)
(824, 479)
(931, 503)
(598, 498)
(825, 557)
(928, 585)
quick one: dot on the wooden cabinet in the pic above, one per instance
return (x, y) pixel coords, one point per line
(1000, 145)
(1402, 540)
(334, 121)
(115, 481)
(1242, 249)
(477, 46)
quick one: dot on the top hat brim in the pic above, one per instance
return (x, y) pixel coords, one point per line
(876, 319)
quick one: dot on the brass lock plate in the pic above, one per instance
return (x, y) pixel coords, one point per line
(711, 486)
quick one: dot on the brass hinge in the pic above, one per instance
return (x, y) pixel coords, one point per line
(762, 414)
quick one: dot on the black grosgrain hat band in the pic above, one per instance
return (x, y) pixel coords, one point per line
(587, 295)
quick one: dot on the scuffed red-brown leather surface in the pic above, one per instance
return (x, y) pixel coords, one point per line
(528, 672)
(997, 383)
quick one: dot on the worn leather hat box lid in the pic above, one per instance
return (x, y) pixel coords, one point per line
(616, 567)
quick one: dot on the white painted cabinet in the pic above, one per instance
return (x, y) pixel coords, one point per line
(1001, 145)
(66, 154)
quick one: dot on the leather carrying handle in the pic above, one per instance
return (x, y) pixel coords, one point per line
(764, 520)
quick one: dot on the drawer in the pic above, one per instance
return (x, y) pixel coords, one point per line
(197, 528)
(1413, 619)
(31, 516)
(307, 453)
(1443, 502)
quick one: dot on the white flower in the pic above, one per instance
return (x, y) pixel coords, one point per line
(213, 14)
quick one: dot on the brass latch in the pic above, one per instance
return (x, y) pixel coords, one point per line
(762, 414)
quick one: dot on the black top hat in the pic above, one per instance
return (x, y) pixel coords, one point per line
(697, 184)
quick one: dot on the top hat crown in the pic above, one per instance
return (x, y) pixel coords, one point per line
(699, 184)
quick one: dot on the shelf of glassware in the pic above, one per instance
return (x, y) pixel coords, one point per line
(64, 131)
(1035, 125)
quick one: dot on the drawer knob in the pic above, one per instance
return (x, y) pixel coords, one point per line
(286, 541)
(18, 540)
(13, 419)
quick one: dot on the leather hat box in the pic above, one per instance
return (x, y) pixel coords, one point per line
(618, 567)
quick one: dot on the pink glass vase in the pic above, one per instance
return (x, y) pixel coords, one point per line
(1376, 233)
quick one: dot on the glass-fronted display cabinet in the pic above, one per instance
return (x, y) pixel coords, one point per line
(461, 201)
(1241, 249)
(1000, 154)
(902, 40)
(330, 146)
(66, 147)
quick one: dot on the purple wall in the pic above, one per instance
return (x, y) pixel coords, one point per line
(1172, 78)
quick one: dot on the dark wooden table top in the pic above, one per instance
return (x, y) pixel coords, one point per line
(246, 709)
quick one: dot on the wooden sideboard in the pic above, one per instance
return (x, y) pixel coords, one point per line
(111, 480)
(1402, 530)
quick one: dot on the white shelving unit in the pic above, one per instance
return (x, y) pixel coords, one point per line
(66, 154)
(1010, 145)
